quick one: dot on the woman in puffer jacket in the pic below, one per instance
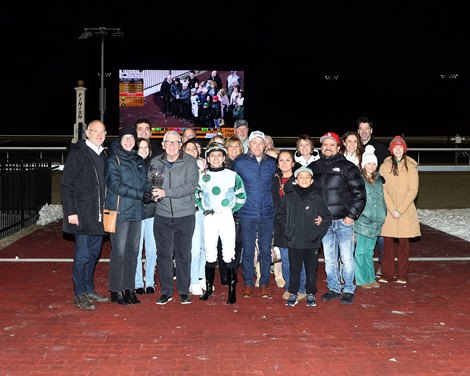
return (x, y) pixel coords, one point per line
(126, 181)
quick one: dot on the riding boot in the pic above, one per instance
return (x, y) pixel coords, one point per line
(224, 277)
(232, 287)
(210, 275)
(223, 271)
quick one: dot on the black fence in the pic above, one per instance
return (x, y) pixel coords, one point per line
(25, 187)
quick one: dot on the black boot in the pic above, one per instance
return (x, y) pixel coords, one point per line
(210, 274)
(232, 287)
(118, 297)
(224, 273)
(114, 296)
(224, 277)
(131, 297)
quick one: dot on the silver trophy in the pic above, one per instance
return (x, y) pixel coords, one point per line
(156, 177)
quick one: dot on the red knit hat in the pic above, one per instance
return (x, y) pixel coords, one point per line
(397, 140)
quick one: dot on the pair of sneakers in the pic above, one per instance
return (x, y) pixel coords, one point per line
(293, 300)
(164, 299)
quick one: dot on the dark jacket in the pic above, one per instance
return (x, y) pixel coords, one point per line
(229, 163)
(149, 208)
(156, 145)
(125, 177)
(341, 185)
(257, 178)
(165, 90)
(215, 110)
(217, 80)
(175, 90)
(181, 178)
(83, 190)
(297, 215)
(279, 239)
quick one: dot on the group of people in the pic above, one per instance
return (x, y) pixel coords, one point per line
(191, 209)
(207, 102)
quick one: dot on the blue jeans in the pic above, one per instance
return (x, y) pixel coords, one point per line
(198, 258)
(150, 255)
(286, 271)
(87, 253)
(339, 266)
(250, 229)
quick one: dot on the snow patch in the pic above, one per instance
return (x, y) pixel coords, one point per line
(49, 214)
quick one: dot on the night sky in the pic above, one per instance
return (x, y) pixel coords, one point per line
(388, 60)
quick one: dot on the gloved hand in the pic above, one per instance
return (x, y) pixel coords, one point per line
(147, 198)
(207, 212)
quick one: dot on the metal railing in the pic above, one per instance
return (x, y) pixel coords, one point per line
(430, 164)
(41, 151)
(25, 187)
(458, 153)
(426, 157)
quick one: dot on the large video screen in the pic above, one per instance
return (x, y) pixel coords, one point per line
(209, 101)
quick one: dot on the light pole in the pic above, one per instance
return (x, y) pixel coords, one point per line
(102, 33)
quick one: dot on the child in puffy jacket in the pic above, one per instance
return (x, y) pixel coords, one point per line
(306, 219)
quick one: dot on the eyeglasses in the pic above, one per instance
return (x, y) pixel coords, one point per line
(172, 143)
(97, 131)
(128, 138)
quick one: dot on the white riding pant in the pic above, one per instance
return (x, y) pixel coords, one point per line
(221, 225)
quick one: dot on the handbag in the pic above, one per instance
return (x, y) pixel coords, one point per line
(110, 216)
(110, 219)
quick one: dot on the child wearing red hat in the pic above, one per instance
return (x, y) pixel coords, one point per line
(398, 140)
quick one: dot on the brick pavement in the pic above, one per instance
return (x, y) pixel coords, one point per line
(418, 329)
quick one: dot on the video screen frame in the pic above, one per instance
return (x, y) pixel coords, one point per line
(161, 96)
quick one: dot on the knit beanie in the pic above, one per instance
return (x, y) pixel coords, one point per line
(127, 130)
(369, 156)
(397, 140)
(302, 169)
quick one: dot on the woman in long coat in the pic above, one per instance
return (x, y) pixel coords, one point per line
(400, 190)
